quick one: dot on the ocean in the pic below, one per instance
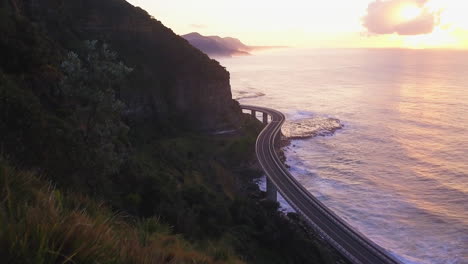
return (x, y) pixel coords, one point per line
(380, 136)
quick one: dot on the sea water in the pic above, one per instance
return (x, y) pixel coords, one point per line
(380, 136)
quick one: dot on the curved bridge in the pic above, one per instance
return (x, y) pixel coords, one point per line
(353, 245)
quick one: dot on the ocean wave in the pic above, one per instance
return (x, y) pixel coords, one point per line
(300, 115)
(311, 127)
(247, 94)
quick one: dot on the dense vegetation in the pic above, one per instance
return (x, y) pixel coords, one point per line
(67, 114)
(41, 224)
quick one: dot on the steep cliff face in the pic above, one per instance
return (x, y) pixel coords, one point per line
(171, 79)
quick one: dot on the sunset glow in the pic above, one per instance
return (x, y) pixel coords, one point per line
(410, 12)
(314, 23)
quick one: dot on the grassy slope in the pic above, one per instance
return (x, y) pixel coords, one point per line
(41, 224)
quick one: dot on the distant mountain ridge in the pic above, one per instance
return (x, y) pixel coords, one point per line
(218, 46)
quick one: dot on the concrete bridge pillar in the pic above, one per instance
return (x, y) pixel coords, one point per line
(254, 113)
(265, 118)
(278, 139)
(272, 192)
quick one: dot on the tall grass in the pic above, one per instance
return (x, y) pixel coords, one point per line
(39, 224)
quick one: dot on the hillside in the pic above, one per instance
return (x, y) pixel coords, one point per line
(108, 120)
(217, 46)
(55, 226)
(168, 82)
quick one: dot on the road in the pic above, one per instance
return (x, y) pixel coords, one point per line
(352, 244)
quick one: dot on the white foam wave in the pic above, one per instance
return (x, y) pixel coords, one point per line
(247, 94)
(311, 127)
(299, 115)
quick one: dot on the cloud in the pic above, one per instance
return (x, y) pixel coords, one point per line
(382, 18)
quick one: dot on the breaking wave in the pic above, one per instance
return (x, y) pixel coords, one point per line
(311, 127)
(247, 94)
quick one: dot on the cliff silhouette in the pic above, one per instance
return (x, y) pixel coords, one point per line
(217, 46)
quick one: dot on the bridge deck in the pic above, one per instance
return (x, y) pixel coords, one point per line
(352, 244)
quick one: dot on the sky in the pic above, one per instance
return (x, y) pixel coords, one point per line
(320, 23)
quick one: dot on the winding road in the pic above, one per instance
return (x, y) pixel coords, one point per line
(349, 242)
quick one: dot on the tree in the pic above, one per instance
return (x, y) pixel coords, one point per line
(89, 86)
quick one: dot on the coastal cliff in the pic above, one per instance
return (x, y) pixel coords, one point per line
(218, 46)
(107, 150)
(171, 81)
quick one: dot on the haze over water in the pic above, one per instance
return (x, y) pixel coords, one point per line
(398, 169)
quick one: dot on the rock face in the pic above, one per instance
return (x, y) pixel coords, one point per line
(171, 79)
